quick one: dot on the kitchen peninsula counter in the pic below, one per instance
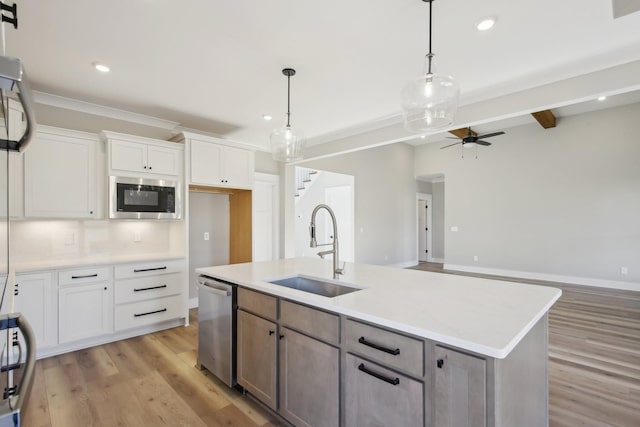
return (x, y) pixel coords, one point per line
(484, 316)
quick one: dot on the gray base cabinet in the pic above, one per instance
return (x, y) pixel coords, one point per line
(320, 369)
(376, 396)
(460, 392)
(309, 380)
(257, 357)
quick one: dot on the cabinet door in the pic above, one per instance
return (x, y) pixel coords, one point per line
(309, 380)
(376, 396)
(163, 160)
(460, 399)
(36, 299)
(206, 161)
(128, 156)
(257, 352)
(85, 311)
(237, 167)
(60, 177)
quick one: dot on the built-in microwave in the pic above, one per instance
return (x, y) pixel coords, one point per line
(141, 198)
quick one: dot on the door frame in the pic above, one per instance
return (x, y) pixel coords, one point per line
(274, 181)
(428, 221)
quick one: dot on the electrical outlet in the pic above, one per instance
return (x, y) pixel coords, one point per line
(624, 271)
(454, 228)
(475, 258)
(206, 235)
(137, 236)
(70, 239)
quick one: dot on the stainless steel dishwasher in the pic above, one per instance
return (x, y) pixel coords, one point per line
(216, 328)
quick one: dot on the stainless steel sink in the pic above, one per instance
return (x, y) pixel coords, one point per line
(314, 286)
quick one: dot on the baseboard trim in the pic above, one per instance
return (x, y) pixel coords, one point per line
(404, 264)
(585, 281)
(438, 260)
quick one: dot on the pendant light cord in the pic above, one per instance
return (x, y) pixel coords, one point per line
(288, 100)
(430, 54)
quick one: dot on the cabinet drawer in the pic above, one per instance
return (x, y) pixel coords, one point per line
(84, 275)
(317, 323)
(144, 288)
(147, 312)
(258, 303)
(377, 396)
(151, 268)
(390, 348)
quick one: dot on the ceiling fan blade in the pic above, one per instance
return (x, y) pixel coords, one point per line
(451, 145)
(485, 143)
(489, 135)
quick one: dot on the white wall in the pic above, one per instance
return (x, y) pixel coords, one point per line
(562, 201)
(385, 197)
(207, 213)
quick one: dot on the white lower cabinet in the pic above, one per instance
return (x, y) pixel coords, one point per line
(147, 293)
(35, 298)
(85, 299)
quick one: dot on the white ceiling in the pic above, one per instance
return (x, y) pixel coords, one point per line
(215, 66)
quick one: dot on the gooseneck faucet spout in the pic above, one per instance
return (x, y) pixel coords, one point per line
(314, 244)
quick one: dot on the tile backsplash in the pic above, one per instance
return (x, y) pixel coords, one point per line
(34, 241)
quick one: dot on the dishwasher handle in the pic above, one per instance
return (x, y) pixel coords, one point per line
(209, 285)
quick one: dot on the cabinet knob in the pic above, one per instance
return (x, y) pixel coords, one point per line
(440, 363)
(280, 336)
(105, 288)
(271, 332)
(149, 167)
(144, 167)
(90, 212)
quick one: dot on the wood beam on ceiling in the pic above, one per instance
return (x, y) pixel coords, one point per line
(545, 118)
(461, 133)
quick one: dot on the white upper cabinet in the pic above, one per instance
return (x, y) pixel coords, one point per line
(142, 157)
(221, 165)
(60, 176)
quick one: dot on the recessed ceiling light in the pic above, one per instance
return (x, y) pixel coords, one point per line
(486, 23)
(101, 67)
(423, 136)
(602, 98)
(267, 117)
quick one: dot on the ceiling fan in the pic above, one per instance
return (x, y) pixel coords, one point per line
(472, 139)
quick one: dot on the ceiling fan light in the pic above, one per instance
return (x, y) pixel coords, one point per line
(429, 102)
(469, 144)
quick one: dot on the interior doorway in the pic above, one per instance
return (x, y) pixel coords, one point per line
(425, 226)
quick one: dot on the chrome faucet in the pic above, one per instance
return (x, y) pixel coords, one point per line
(312, 230)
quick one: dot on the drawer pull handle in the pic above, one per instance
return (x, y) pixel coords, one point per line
(86, 276)
(149, 289)
(395, 351)
(142, 270)
(394, 381)
(150, 312)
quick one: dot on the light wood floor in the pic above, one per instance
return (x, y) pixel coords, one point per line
(594, 378)
(144, 381)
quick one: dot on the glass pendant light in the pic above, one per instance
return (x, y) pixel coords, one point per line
(430, 101)
(286, 144)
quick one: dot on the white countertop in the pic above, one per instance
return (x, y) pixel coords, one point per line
(56, 264)
(486, 316)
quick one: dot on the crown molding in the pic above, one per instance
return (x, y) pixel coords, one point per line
(101, 110)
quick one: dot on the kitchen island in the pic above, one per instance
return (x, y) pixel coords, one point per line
(407, 348)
